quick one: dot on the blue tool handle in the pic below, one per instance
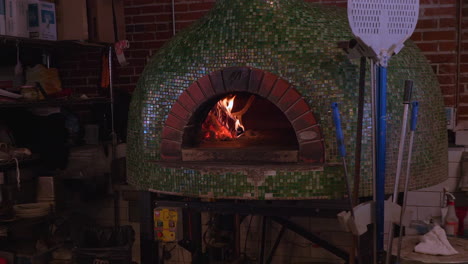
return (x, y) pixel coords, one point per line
(414, 115)
(339, 132)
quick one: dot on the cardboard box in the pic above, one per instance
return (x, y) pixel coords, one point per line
(101, 22)
(2, 18)
(41, 20)
(16, 18)
(72, 19)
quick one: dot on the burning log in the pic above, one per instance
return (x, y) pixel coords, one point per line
(221, 124)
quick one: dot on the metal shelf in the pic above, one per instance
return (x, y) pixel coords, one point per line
(55, 102)
(12, 40)
(8, 164)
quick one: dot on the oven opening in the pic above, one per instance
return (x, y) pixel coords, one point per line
(239, 127)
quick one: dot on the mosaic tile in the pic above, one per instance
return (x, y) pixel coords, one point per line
(297, 42)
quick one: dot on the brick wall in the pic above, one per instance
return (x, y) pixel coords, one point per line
(149, 26)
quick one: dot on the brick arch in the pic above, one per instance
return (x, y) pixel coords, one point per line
(244, 79)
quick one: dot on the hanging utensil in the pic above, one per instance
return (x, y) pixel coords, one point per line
(382, 26)
(401, 148)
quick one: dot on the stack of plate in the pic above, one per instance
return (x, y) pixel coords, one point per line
(31, 210)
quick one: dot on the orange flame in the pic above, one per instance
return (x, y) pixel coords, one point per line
(221, 124)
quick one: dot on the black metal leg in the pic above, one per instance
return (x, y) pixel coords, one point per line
(262, 246)
(275, 246)
(148, 246)
(196, 239)
(311, 237)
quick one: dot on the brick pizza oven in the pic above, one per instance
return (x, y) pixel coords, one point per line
(238, 106)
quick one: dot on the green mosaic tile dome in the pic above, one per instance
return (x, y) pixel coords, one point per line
(297, 42)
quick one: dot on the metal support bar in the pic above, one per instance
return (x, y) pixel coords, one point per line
(322, 208)
(196, 237)
(311, 237)
(275, 246)
(148, 246)
(262, 246)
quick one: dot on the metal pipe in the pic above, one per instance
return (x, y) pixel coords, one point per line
(275, 245)
(401, 148)
(459, 51)
(374, 154)
(262, 246)
(173, 18)
(381, 153)
(414, 118)
(114, 141)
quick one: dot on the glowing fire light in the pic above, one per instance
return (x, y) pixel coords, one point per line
(221, 123)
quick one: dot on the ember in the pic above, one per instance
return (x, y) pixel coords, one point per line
(223, 124)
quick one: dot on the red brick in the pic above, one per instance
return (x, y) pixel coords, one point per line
(190, 16)
(417, 36)
(153, 44)
(143, 36)
(163, 17)
(171, 151)
(143, 19)
(304, 121)
(156, 9)
(439, 35)
(138, 62)
(446, 79)
(183, 24)
(447, 68)
(187, 102)
(142, 2)
(180, 111)
(440, 11)
(175, 122)
(464, 65)
(462, 110)
(278, 90)
(447, 46)
(138, 53)
(447, 22)
(200, 6)
(447, 89)
(206, 87)
(172, 134)
(196, 93)
(149, 27)
(181, 7)
(441, 58)
(449, 100)
(138, 70)
(311, 152)
(217, 82)
(464, 98)
(236, 78)
(297, 109)
(256, 78)
(426, 23)
(267, 84)
(428, 47)
(131, 11)
(162, 27)
(164, 35)
(290, 97)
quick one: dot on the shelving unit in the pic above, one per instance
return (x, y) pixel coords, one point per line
(4, 39)
(55, 102)
(46, 47)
